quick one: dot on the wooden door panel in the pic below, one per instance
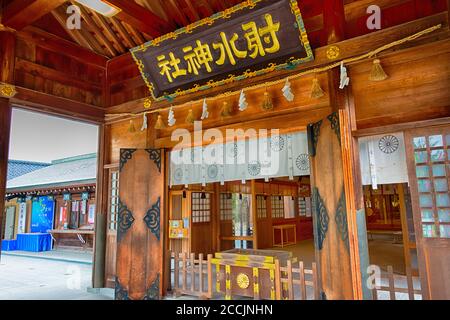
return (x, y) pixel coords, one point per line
(329, 209)
(110, 260)
(428, 158)
(139, 260)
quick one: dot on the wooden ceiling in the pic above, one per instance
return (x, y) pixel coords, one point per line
(138, 22)
(141, 20)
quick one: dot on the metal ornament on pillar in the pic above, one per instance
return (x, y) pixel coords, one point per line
(7, 90)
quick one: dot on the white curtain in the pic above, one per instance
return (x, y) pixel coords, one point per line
(383, 159)
(265, 157)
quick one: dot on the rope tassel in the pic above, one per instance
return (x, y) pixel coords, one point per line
(190, 117)
(316, 90)
(377, 73)
(226, 109)
(267, 102)
(159, 123)
(131, 128)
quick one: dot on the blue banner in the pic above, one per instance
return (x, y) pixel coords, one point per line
(42, 214)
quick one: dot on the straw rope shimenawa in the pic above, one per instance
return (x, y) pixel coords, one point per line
(370, 54)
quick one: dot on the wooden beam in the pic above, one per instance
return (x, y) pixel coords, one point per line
(192, 10)
(334, 20)
(58, 76)
(138, 38)
(175, 13)
(123, 33)
(21, 13)
(42, 102)
(156, 7)
(7, 49)
(51, 42)
(349, 48)
(74, 34)
(141, 18)
(109, 31)
(5, 128)
(97, 31)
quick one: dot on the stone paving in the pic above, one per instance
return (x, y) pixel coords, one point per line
(32, 278)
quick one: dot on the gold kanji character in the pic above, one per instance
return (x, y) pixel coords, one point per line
(228, 49)
(268, 33)
(255, 34)
(167, 65)
(200, 55)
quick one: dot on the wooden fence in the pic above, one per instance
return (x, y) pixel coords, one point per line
(391, 288)
(293, 280)
(192, 276)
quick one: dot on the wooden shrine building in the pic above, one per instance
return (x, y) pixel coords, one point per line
(348, 99)
(67, 187)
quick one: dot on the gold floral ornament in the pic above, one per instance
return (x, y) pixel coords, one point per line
(7, 90)
(242, 281)
(333, 52)
(147, 103)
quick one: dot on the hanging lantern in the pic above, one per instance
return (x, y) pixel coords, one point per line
(316, 90)
(267, 102)
(159, 123)
(377, 73)
(190, 117)
(131, 128)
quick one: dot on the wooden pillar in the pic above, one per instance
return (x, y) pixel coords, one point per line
(356, 217)
(7, 51)
(448, 11)
(254, 215)
(334, 20)
(216, 217)
(152, 133)
(101, 198)
(5, 126)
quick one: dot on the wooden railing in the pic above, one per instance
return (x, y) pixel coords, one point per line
(192, 276)
(391, 288)
(293, 280)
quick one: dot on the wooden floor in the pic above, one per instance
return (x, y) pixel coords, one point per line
(381, 252)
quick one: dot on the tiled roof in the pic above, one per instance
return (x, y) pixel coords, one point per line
(64, 172)
(17, 168)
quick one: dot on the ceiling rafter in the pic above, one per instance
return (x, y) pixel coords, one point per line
(156, 7)
(141, 18)
(20, 13)
(138, 38)
(109, 31)
(209, 10)
(74, 34)
(193, 12)
(123, 32)
(176, 14)
(97, 31)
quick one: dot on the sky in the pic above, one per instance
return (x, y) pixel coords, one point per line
(43, 138)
